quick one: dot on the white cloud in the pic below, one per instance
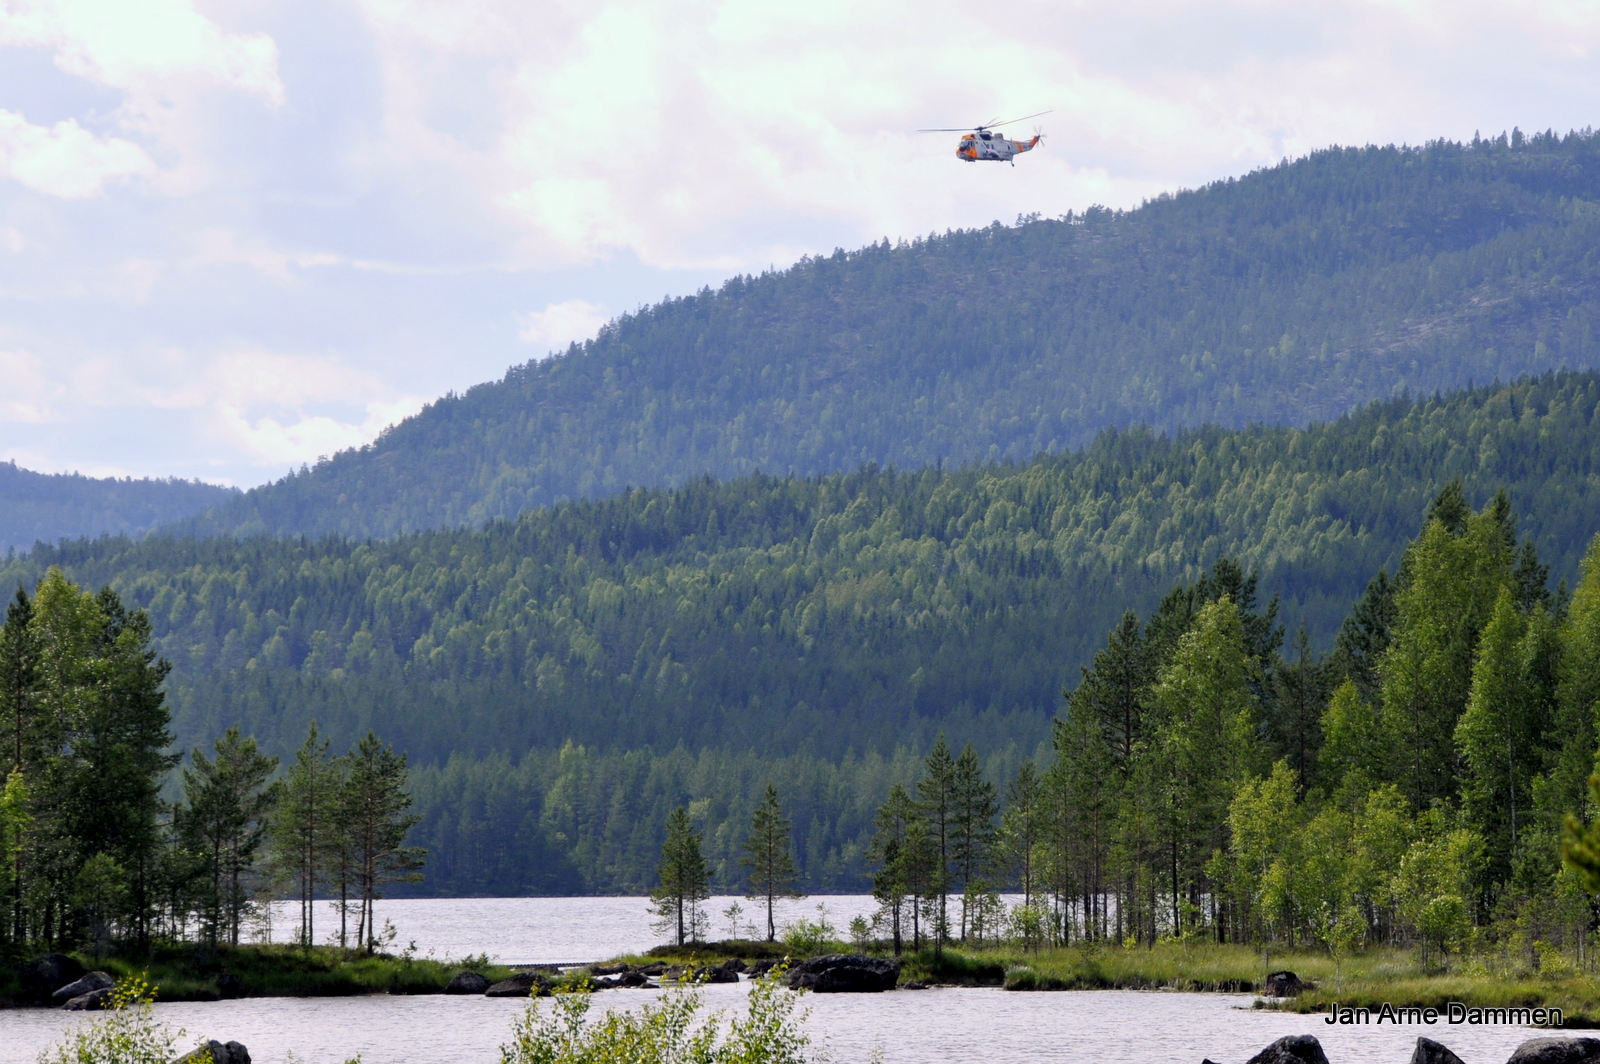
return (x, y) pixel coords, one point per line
(29, 390)
(65, 160)
(560, 324)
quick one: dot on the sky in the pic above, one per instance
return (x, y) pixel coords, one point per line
(237, 236)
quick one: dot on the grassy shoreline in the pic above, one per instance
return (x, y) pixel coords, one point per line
(192, 973)
(1370, 979)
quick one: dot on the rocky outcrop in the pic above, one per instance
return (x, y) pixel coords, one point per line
(93, 1001)
(523, 984)
(79, 987)
(467, 983)
(1430, 1052)
(845, 973)
(220, 1053)
(1295, 1049)
(1557, 1051)
(43, 977)
(734, 964)
(1283, 984)
(760, 968)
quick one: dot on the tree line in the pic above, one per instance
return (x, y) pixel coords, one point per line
(92, 851)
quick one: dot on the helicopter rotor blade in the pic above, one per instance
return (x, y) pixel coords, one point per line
(960, 129)
(1024, 118)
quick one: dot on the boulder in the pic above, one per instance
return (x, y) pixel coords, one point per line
(610, 969)
(221, 1053)
(632, 979)
(1294, 1049)
(79, 987)
(720, 974)
(655, 968)
(1430, 1052)
(523, 984)
(467, 983)
(1283, 984)
(1557, 1051)
(760, 968)
(93, 1001)
(733, 964)
(845, 973)
(49, 973)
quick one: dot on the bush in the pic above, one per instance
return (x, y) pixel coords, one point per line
(125, 1034)
(670, 1030)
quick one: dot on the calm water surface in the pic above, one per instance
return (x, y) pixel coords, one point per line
(907, 1027)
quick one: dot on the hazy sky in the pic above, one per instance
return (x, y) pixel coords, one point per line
(235, 236)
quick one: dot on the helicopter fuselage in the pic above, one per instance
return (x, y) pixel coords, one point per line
(984, 146)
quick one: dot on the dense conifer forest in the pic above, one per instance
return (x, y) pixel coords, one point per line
(562, 681)
(1291, 295)
(50, 507)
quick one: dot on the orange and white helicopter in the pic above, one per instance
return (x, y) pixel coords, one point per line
(980, 144)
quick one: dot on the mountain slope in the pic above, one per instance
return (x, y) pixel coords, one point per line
(852, 612)
(1293, 294)
(51, 506)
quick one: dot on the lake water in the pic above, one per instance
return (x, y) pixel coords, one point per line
(905, 1027)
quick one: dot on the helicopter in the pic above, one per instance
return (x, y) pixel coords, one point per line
(980, 144)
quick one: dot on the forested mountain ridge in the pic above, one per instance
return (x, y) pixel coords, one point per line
(861, 611)
(53, 506)
(1293, 294)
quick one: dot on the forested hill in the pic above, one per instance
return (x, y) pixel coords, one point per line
(821, 615)
(51, 506)
(1294, 294)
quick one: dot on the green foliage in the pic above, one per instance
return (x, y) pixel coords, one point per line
(1289, 295)
(674, 1029)
(126, 1033)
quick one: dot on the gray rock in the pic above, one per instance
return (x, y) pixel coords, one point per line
(43, 977)
(89, 983)
(760, 968)
(93, 1001)
(1295, 1049)
(1283, 984)
(220, 1052)
(845, 973)
(717, 975)
(467, 983)
(656, 968)
(1557, 1051)
(1430, 1052)
(734, 964)
(523, 984)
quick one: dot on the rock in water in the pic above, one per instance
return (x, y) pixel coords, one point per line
(88, 984)
(48, 974)
(523, 984)
(1557, 1051)
(221, 1053)
(467, 983)
(1430, 1052)
(1283, 984)
(93, 1001)
(845, 973)
(1295, 1049)
(734, 964)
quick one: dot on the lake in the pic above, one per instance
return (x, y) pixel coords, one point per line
(905, 1027)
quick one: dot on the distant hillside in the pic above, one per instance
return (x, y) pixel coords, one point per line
(47, 507)
(851, 612)
(1288, 296)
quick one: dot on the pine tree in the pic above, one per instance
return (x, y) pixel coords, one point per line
(376, 803)
(892, 851)
(228, 802)
(937, 792)
(684, 879)
(975, 806)
(770, 858)
(1021, 828)
(304, 827)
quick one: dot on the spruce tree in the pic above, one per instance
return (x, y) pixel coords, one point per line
(975, 806)
(770, 858)
(937, 791)
(228, 800)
